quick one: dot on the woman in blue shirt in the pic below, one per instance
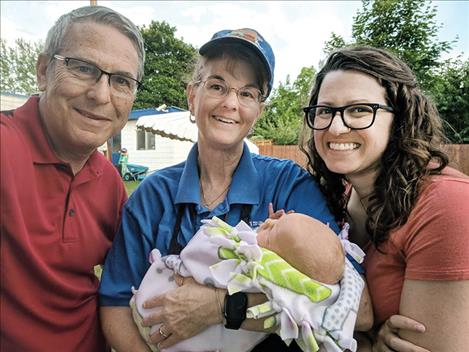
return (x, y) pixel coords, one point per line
(220, 178)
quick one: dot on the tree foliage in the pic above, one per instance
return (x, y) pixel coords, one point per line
(451, 92)
(336, 42)
(168, 64)
(409, 29)
(18, 66)
(282, 118)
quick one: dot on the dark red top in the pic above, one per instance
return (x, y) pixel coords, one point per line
(55, 227)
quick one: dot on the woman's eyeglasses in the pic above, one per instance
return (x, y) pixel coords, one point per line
(354, 116)
(247, 96)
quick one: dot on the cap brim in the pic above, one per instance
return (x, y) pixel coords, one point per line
(214, 42)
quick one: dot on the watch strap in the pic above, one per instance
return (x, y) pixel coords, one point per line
(235, 310)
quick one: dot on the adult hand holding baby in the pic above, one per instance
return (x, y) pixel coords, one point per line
(183, 312)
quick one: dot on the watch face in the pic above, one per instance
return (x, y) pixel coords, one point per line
(235, 309)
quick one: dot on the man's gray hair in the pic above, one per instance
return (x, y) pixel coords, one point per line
(97, 14)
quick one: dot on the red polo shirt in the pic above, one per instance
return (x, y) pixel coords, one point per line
(55, 227)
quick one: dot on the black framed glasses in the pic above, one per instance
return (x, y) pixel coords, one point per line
(217, 88)
(354, 116)
(121, 85)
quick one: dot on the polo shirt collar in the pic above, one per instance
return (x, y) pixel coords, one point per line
(244, 187)
(41, 151)
(189, 186)
(29, 117)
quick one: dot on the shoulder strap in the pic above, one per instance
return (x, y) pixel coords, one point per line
(175, 247)
(246, 213)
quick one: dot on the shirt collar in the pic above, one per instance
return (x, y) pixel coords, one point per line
(244, 188)
(29, 117)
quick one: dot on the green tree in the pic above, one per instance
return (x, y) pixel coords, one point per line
(169, 61)
(451, 92)
(6, 79)
(336, 42)
(18, 66)
(407, 27)
(282, 118)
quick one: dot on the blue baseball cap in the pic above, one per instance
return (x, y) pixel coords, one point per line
(252, 40)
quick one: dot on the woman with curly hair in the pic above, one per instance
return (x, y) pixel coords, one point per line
(374, 146)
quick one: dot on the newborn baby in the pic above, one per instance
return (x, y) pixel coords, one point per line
(306, 244)
(283, 260)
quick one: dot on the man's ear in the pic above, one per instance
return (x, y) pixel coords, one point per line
(41, 71)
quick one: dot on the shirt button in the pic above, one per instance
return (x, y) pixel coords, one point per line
(71, 212)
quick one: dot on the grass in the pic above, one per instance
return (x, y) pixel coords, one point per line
(98, 270)
(130, 186)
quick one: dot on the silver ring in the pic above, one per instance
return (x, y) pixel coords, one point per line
(162, 333)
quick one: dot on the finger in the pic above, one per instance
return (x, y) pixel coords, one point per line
(156, 338)
(406, 323)
(189, 280)
(153, 319)
(381, 347)
(278, 214)
(271, 209)
(389, 327)
(398, 344)
(393, 342)
(161, 334)
(170, 341)
(178, 279)
(182, 280)
(290, 212)
(390, 341)
(154, 302)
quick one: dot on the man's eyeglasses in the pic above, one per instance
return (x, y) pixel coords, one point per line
(121, 85)
(247, 96)
(354, 116)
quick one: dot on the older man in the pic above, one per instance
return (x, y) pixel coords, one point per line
(60, 199)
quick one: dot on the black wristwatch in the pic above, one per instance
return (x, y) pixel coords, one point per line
(235, 310)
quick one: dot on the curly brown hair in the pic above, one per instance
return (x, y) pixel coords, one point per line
(414, 144)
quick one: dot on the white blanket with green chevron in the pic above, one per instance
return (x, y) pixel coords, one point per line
(316, 315)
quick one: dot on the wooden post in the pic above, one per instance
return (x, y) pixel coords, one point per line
(93, 2)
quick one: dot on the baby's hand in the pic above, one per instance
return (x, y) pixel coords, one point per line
(278, 214)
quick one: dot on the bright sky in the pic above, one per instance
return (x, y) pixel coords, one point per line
(296, 30)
